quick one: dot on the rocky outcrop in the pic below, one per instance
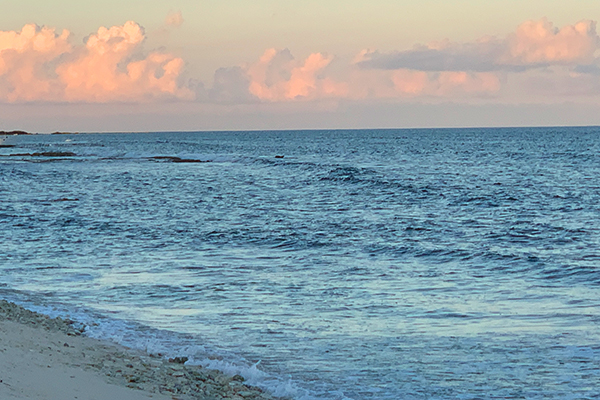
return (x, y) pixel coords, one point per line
(4, 133)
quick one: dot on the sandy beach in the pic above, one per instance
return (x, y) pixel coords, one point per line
(43, 358)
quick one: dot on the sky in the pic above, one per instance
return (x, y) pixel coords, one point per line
(153, 65)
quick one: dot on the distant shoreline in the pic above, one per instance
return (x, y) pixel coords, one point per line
(13, 133)
(18, 132)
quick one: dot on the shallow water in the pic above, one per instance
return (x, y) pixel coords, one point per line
(368, 264)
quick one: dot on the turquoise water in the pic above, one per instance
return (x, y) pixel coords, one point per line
(367, 264)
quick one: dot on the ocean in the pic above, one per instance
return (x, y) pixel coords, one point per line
(322, 264)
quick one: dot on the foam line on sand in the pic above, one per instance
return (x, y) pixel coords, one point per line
(43, 358)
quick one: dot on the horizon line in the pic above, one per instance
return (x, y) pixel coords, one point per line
(3, 133)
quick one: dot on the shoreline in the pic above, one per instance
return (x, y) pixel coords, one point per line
(51, 359)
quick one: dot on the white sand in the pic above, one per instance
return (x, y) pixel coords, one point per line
(36, 364)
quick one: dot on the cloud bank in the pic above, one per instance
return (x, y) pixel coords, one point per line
(39, 64)
(278, 77)
(534, 44)
(485, 68)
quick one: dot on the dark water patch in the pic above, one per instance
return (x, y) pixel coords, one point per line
(446, 314)
(481, 201)
(370, 179)
(283, 238)
(590, 274)
(70, 221)
(345, 174)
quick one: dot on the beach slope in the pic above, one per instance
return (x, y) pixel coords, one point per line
(46, 358)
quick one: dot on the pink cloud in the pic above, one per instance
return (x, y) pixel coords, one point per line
(33, 38)
(37, 64)
(26, 60)
(105, 71)
(174, 19)
(277, 76)
(411, 83)
(449, 82)
(538, 42)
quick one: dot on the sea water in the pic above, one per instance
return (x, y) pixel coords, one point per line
(360, 264)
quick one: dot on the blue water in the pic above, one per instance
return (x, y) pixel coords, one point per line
(366, 264)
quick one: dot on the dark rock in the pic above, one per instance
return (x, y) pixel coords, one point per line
(189, 160)
(54, 154)
(178, 159)
(178, 360)
(46, 154)
(13, 312)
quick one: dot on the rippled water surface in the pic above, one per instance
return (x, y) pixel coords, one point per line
(369, 264)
